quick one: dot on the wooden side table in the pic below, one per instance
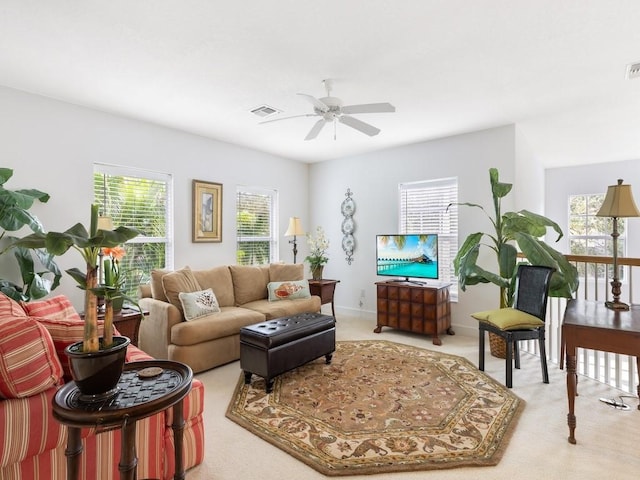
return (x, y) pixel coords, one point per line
(145, 388)
(325, 289)
(591, 325)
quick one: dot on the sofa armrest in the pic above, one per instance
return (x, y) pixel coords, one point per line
(155, 328)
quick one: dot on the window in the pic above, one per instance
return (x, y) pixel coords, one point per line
(139, 199)
(423, 209)
(591, 235)
(257, 242)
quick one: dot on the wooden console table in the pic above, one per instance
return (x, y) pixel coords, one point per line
(139, 396)
(415, 308)
(592, 325)
(325, 289)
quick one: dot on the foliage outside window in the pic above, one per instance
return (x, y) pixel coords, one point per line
(142, 200)
(423, 209)
(256, 241)
(591, 235)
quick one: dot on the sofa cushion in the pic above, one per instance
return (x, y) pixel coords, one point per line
(10, 308)
(227, 322)
(219, 280)
(157, 289)
(54, 308)
(273, 310)
(249, 282)
(28, 361)
(508, 319)
(288, 290)
(198, 304)
(281, 272)
(179, 281)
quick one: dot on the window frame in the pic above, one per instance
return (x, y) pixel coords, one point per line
(604, 236)
(272, 238)
(447, 222)
(130, 172)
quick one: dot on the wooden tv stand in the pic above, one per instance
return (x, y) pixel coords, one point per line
(414, 308)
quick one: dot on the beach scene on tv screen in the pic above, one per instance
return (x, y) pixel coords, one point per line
(407, 255)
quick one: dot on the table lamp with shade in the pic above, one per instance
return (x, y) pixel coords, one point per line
(618, 203)
(295, 229)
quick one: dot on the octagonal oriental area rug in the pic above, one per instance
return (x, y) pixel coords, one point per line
(381, 407)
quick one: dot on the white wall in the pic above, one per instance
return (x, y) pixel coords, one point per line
(52, 146)
(373, 178)
(589, 179)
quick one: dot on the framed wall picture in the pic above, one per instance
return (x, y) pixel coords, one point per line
(207, 211)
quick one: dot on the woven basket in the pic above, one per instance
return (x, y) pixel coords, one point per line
(497, 345)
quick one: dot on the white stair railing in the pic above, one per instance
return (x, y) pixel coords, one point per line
(617, 370)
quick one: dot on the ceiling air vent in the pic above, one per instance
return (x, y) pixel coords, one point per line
(633, 71)
(264, 111)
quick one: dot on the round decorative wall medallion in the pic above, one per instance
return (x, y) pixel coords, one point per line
(347, 225)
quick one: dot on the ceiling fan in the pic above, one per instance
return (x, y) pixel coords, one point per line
(331, 110)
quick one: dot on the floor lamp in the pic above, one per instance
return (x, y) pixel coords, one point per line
(295, 229)
(618, 203)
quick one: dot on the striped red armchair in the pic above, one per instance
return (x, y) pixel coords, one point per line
(32, 443)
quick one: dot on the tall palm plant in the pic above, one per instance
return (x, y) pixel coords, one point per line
(513, 232)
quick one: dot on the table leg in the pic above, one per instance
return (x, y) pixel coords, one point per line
(638, 387)
(72, 452)
(178, 429)
(572, 381)
(128, 460)
(333, 309)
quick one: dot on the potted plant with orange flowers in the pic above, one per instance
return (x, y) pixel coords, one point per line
(89, 244)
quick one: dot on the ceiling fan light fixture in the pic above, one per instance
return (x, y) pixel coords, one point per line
(331, 109)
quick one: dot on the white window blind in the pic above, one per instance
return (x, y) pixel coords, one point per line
(423, 209)
(138, 199)
(256, 233)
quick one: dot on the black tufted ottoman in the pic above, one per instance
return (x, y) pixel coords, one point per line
(276, 346)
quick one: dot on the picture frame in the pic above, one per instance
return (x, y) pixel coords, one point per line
(207, 211)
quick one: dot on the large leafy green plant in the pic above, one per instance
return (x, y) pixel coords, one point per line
(513, 231)
(14, 215)
(88, 243)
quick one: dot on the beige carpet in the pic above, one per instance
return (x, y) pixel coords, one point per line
(608, 439)
(381, 407)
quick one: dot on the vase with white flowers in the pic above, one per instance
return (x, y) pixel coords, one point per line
(317, 258)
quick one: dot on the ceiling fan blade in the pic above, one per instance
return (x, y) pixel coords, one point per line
(315, 130)
(369, 108)
(287, 118)
(359, 125)
(315, 102)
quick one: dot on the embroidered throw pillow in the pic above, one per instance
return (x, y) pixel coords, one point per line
(198, 304)
(288, 290)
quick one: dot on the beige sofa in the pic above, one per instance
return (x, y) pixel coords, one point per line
(213, 339)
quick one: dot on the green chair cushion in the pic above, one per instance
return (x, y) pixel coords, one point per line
(508, 319)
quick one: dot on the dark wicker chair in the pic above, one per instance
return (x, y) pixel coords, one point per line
(511, 324)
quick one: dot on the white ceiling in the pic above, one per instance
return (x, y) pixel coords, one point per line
(555, 68)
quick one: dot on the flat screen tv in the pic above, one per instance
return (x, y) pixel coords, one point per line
(408, 256)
